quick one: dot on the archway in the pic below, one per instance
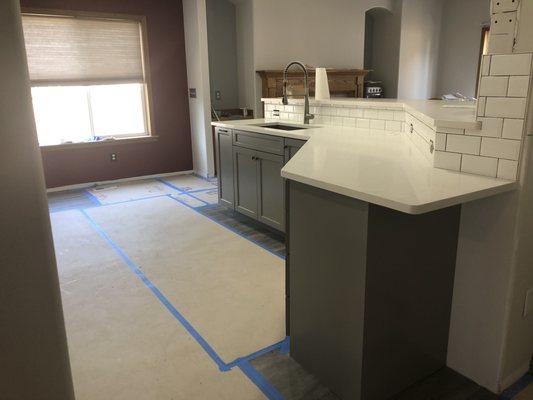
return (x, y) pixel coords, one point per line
(382, 48)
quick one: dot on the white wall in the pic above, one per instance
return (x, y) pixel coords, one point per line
(222, 44)
(245, 54)
(459, 45)
(419, 48)
(518, 348)
(272, 33)
(320, 33)
(483, 268)
(195, 27)
(33, 342)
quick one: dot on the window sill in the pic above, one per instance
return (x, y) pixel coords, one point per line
(102, 143)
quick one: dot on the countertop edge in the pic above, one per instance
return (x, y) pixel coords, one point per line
(413, 209)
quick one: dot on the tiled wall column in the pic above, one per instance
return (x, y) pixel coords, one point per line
(494, 150)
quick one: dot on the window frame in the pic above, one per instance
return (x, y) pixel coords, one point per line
(146, 84)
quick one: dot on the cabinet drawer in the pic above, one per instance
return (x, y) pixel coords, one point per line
(257, 141)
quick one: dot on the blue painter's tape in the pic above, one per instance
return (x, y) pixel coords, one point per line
(170, 185)
(92, 197)
(243, 363)
(160, 296)
(518, 387)
(268, 390)
(156, 196)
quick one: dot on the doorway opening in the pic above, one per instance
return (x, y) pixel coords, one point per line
(382, 49)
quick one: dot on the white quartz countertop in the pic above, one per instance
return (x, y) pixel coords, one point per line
(375, 166)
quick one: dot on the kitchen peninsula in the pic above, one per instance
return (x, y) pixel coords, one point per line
(371, 226)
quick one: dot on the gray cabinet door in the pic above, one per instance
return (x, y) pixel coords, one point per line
(226, 190)
(291, 147)
(271, 190)
(246, 184)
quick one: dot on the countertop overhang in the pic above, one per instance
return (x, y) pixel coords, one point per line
(375, 166)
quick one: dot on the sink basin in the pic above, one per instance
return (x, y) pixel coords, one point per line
(282, 127)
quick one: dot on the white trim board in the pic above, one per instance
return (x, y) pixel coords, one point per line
(133, 178)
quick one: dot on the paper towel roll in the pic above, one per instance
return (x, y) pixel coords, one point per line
(321, 84)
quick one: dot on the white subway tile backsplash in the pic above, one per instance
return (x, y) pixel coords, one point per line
(481, 103)
(325, 119)
(493, 86)
(447, 160)
(485, 66)
(356, 113)
(377, 124)
(490, 127)
(486, 166)
(399, 116)
(518, 86)
(370, 114)
(386, 114)
(343, 112)
(363, 123)
(513, 129)
(507, 169)
(463, 144)
(501, 148)
(505, 107)
(336, 121)
(393, 126)
(347, 121)
(440, 142)
(511, 64)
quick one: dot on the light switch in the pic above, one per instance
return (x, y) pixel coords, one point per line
(528, 306)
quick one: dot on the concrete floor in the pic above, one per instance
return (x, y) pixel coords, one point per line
(168, 296)
(160, 301)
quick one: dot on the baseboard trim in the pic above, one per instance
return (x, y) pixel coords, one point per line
(133, 178)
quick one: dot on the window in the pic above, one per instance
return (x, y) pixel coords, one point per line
(483, 50)
(87, 78)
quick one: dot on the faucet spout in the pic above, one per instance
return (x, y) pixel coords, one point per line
(307, 115)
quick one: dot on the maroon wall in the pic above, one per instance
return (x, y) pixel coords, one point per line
(170, 107)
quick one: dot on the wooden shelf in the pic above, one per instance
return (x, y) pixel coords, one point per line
(342, 82)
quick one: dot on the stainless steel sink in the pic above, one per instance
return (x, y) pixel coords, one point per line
(282, 127)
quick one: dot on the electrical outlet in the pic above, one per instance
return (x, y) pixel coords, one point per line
(113, 157)
(218, 95)
(528, 305)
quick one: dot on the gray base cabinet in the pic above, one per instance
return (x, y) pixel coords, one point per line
(249, 169)
(370, 291)
(246, 182)
(224, 153)
(271, 190)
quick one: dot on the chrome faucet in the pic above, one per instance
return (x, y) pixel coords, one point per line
(307, 115)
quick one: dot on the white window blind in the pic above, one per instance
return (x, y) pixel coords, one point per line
(70, 50)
